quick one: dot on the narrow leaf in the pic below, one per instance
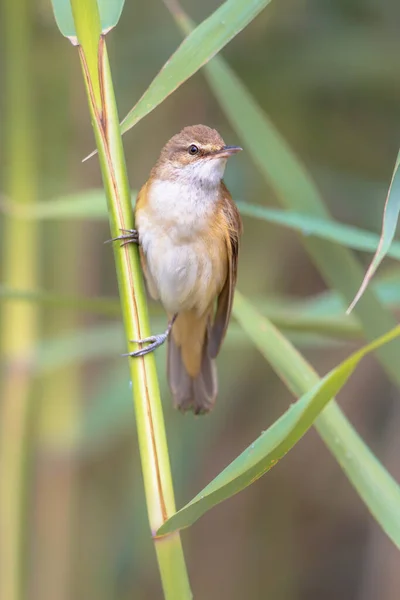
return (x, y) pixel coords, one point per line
(326, 229)
(374, 484)
(390, 218)
(199, 46)
(274, 443)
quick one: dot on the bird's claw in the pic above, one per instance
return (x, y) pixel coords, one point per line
(130, 236)
(154, 342)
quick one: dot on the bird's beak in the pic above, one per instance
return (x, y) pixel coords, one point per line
(226, 152)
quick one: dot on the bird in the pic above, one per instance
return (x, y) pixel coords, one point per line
(188, 229)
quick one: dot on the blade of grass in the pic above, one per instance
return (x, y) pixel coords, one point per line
(296, 191)
(373, 483)
(199, 47)
(149, 417)
(19, 320)
(390, 218)
(324, 229)
(275, 442)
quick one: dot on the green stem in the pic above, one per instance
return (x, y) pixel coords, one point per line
(146, 394)
(19, 320)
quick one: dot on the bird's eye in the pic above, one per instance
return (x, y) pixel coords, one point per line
(193, 149)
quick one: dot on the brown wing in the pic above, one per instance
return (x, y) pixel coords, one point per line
(225, 299)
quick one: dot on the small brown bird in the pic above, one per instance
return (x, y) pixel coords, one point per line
(188, 229)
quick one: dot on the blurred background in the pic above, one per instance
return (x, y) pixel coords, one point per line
(326, 72)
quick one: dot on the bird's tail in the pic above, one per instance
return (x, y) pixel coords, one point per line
(191, 372)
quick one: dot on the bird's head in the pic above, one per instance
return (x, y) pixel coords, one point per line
(198, 153)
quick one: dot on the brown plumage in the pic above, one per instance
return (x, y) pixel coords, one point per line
(189, 230)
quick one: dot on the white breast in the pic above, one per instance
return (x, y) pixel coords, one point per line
(186, 208)
(184, 267)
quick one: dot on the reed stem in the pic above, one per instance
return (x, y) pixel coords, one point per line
(146, 395)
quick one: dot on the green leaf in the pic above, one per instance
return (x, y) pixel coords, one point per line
(390, 218)
(110, 12)
(372, 482)
(326, 229)
(375, 485)
(199, 46)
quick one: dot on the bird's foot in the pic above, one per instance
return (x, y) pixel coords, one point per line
(129, 236)
(154, 341)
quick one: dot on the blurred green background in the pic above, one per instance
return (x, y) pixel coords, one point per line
(326, 73)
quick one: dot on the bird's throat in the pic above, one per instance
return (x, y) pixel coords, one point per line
(187, 204)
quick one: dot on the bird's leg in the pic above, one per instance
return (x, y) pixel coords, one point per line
(129, 236)
(154, 341)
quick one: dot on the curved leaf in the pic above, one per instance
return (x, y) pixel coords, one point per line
(198, 48)
(378, 489)
(390, 218)
(326, 229)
